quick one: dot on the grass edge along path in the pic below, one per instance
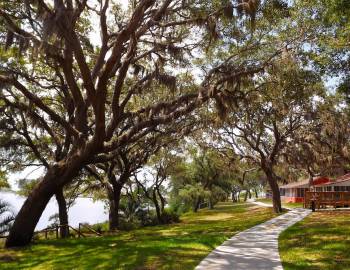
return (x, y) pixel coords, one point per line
(319, 242)
(178, 246)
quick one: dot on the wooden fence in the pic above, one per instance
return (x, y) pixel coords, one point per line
(78, 231)
(322, 199)
(81, 231)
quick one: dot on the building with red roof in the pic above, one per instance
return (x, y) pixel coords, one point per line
(295, 192)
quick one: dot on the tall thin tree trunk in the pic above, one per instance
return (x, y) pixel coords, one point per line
(234, 196)
(162, 200)
(210, 204)
(62, 213)
(197, 204)
(156, 205)
(256, 193)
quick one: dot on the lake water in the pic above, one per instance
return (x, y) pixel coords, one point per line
(84, 210)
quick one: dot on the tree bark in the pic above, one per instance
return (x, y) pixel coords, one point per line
(210, 204)
(114, 195)
(197, 204)
(62, 213)
(246, 195)
(156, 205)
(234, 199)
(276, 197)
(27, 218)
(162, 200)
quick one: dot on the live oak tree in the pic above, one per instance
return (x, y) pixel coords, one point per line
(80, 73)
(270, 119)
(322, 146)
(200, 179)
(155, 177)
(113, 175)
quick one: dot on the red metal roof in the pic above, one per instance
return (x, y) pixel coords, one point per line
(318, 181)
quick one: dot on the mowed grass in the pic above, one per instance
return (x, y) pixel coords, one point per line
(178, 246)
(321, 241)
(289, 205)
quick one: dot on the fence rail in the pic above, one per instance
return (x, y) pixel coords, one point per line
(56, 230)
(322, 199)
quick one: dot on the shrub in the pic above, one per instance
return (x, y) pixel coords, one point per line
(6, 217)
(169, 216)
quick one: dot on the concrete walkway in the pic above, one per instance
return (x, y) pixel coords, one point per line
(253, 201)
(255, 248)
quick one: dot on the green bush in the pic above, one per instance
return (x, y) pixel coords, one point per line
(169, 216)
(129, 224)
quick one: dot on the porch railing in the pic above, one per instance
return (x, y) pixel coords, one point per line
(322, 199)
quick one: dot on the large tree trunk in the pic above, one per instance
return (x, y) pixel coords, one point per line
(114, 195)
(56, 177)
(276, 197)
(62, 213)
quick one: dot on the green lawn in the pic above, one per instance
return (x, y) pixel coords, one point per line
(319, 242)
(178, 246)
(289, 205)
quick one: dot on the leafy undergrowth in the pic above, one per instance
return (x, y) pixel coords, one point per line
(321, 241)
(177, 246)
(289, 205)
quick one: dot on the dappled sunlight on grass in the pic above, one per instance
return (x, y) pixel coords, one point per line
(321, 241)
(177, 246)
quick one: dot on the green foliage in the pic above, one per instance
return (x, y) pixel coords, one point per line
(201, 180)
(6, 217)
(3, 180)
(26, 186)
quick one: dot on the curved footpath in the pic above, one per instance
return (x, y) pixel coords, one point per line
(255, 248)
